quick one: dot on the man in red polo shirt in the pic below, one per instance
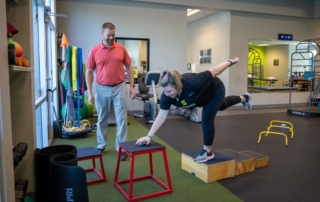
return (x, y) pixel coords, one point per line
(107, 59)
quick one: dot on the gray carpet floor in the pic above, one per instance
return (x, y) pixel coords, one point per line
(293, 171)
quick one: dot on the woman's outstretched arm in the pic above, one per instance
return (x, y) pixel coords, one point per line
(161, 117)
(218, 69)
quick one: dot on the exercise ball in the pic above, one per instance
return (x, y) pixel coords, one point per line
(17, 47)
(90, 107)
(84, 112)
(62, 75)
(63, 110)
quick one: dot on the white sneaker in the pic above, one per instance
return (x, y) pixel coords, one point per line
(247, 104)
(204, 156)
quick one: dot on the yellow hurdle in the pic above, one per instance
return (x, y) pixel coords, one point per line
(275, 124)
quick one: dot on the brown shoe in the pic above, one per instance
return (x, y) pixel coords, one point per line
(123, 156)
(102, 150)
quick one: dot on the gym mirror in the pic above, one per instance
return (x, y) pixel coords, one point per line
(138, 50)
(269, 64)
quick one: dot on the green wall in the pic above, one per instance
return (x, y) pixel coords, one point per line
(261, 50)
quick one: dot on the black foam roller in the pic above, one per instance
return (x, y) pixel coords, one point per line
(68, 180)
(42, 168)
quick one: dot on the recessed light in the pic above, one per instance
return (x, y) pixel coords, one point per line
(192, 11)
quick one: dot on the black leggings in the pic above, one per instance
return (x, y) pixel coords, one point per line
(209, 111)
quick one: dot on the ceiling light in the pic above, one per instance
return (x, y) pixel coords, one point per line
(192, 11)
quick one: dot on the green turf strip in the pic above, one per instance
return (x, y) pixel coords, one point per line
(186, 187)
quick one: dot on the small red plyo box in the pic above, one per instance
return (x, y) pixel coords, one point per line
(91, 153)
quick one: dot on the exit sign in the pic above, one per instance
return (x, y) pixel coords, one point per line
(285, 37)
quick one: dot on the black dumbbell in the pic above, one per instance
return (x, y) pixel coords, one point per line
(18, 151)
(21, 184)
(23, 147)
(19, 195)
(16, 158)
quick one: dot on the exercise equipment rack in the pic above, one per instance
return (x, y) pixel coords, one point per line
(307, 51)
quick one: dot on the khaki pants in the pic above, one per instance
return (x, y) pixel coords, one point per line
(118, 96)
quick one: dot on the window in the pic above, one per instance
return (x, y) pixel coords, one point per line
(36, 61)
(44, 68)
(39, 127)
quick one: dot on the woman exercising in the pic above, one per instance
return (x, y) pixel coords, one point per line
(202, 89)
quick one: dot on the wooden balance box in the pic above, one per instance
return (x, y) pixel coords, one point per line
(243, 163)
(260, 160)
(219, 168)
(226, 163)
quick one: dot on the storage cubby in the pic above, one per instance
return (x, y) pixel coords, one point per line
(22, 117)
